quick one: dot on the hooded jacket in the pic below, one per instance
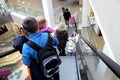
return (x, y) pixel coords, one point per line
(62, 36)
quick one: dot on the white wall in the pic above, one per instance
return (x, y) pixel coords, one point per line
(85, 13)
(107, 13)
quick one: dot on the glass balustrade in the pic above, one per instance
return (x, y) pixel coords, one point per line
(13, 61)
(9, 64)
(26, 11)
(3, 9)
(20, 9)
(90, 60)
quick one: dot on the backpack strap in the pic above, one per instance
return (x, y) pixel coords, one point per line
(33, 45)
(49, 42)
(36, 46)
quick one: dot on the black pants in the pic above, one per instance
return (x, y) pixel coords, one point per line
(56, 76)
(62, 51)
(67, 22)
(35, 71)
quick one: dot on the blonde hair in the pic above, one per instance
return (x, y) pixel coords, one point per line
(61, 27)
(41, 21)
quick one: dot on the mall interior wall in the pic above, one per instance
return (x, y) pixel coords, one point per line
(108, 18)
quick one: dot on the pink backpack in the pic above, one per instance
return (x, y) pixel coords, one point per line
(72, 19)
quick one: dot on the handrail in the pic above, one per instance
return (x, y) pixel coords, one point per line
(108, 61)
(77, 66)
(3, 54)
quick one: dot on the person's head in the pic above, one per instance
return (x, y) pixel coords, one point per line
(61, 27)
(30, 25)
(41, 21)
(66, 9)
(63, 9)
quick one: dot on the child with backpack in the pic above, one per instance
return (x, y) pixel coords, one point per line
(73, 22)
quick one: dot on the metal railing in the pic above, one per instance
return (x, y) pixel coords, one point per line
(3, 54)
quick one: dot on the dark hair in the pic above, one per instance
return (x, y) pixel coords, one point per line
(66, 9)
(30, 25)
(63, 8)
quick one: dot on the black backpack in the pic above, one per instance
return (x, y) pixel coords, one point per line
(48, 58)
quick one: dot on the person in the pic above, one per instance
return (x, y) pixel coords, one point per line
(62, 36)
(73, 21)
(29, 55)
(18, 44)
(20, 40)
(63, 9)
(43, 26)
(67, 16)
(71, 44)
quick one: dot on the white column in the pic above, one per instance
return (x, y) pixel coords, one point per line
(48, 12)
(85, 13)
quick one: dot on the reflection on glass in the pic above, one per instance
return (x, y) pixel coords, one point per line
(90, 60)
(26, 11)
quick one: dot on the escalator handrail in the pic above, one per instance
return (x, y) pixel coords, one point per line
(3, 54)
(77, 67)
(115, 68)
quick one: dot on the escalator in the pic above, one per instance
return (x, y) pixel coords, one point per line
(83, 66)
(72, 67)
(69, 69)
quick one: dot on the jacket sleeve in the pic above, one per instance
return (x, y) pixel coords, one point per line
(26, 55)
(55, 41)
